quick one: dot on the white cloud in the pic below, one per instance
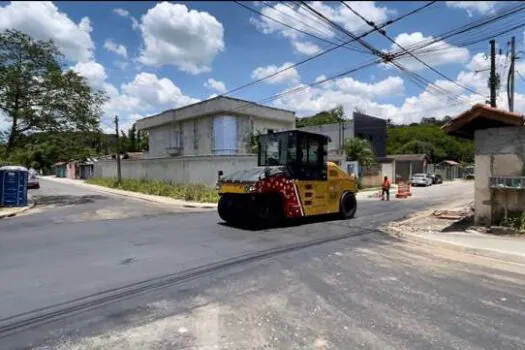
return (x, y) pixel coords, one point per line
(343, 16)
(125, 13)
(122, 65)
(43, 21)
(431, 102)
(320, 78)
(346, 91)
(121, 12)
(389, 87)
(306, 47)
(146, 94)
(216, 85)
(301, 18)
(481, 7)
(290, 76)
(93, 71)
(156, 93)
(446, 53)
(187, 39)
(119, 49)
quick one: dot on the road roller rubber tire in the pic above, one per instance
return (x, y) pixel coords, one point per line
(348, 205)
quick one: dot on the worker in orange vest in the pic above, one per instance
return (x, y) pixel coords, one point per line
(385, 189)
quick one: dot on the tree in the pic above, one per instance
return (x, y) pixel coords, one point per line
(132, 136)
(402, 139)
(251, 141)
(142, 141)
(358, 149)
(334, 115)
(125, 145)
(421, 147)
(36, 95)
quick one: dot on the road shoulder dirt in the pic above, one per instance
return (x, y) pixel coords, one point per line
(425, 228)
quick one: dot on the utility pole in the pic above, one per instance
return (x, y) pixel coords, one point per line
(510, 77)
(492, 79)
(119, 174)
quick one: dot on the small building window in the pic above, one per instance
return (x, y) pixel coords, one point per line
(225, 135)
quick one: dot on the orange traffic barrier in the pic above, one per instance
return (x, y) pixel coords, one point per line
(403, 190)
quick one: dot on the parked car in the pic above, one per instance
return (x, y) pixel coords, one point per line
(469, 173)
(436, 179)
(421, 180)
(32, 179)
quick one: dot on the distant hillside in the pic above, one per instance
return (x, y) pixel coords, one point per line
(427, 137)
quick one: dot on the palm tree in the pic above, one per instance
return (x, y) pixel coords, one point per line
(360, 150)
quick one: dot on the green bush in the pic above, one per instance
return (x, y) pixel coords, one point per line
(188, 192)
(515, 220)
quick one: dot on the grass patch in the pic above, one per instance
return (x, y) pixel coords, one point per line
(188, 192)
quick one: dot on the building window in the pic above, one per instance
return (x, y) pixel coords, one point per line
(225, 135)
(195, 139)
(176, 138)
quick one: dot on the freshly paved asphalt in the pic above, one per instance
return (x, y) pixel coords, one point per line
(89, 270)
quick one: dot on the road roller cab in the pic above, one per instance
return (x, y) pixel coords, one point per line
(293, 179)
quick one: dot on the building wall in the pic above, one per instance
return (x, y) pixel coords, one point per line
(187, 169)
(499, 152)
(71, 170)
(373, 129)
(338, 133)
(387, 169)
(198, 136)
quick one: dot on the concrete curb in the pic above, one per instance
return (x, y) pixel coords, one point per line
(137, 195)
(462, 248)
(17, 211)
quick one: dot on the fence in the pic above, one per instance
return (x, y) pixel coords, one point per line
(191, 169)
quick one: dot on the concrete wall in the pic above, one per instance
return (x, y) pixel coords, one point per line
(499, 152)
(198, 137)
(190, 169)
(387, 169)
(335, 131)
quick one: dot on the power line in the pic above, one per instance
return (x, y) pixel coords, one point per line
(372, 24)
(465, 28)
(365, 44)
(521, 76)
(296, 9)
(304, 87)
(422, 44)
(296, 29)
(325, 51)
(386, 57)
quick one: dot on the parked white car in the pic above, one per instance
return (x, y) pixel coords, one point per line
(32, 179)
(421, 180)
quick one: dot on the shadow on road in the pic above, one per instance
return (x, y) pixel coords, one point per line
(66, 200)
(287, 223)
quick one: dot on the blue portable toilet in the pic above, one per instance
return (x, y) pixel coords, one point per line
(13, 186)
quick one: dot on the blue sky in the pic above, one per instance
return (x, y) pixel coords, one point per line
(151, 56)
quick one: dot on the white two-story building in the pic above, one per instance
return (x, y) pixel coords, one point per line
(218, 126)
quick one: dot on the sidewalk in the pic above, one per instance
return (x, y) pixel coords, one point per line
(10, 212)
(418, 229)
(134, 195)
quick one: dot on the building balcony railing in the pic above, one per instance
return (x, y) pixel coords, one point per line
(508, 182)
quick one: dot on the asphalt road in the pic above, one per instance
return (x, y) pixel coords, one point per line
(89, 270)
